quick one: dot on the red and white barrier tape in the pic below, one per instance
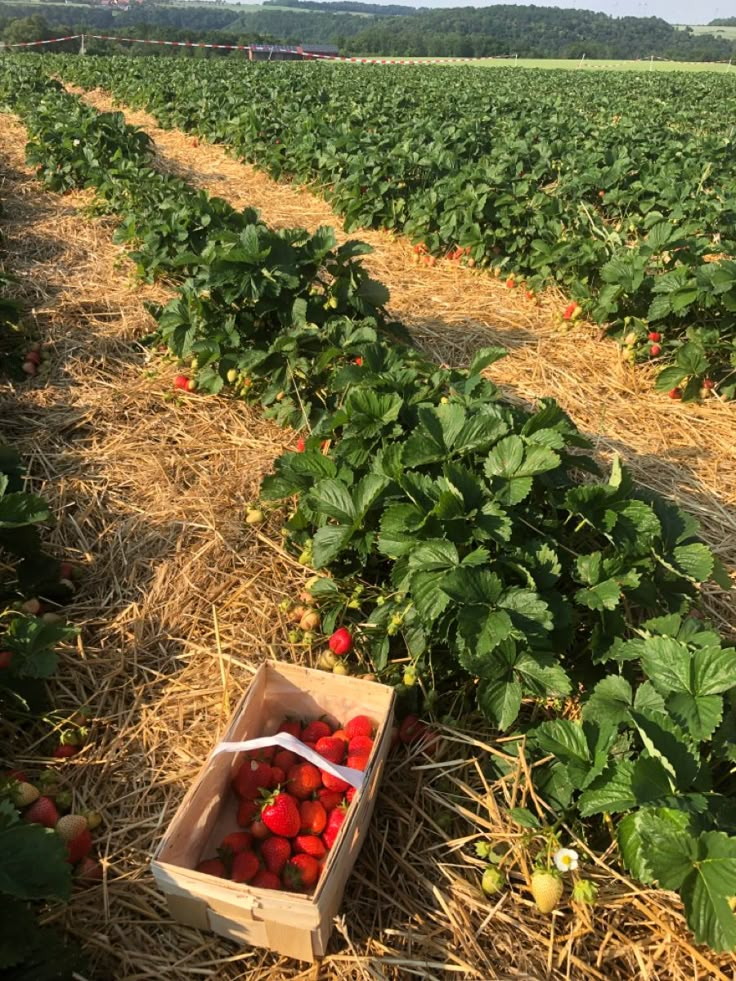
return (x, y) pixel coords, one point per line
(52, 40)
(309, 55)
(172, 44)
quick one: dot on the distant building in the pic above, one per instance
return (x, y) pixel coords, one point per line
(273, 52)
(318, 49)
(282, 52)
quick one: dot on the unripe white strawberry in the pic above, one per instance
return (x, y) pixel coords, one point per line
(24, 794)
(547, 889)
(71, 825)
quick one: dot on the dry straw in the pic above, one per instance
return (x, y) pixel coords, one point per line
(179, 603)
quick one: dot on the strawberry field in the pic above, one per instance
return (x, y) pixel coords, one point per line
(619, 189)
(470, 552)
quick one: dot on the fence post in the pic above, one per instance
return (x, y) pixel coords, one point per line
(81, 47)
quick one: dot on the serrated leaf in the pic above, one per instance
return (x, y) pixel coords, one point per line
(327, 544)
(695, 561)
(500, 700)
(603, 596)
(609, 701)
(34, 864)
(524, 817)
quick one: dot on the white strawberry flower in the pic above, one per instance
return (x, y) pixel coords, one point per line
(566, 859)
(76, 142)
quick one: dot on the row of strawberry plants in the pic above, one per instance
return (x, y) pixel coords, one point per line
(471, 540)
(36, 864)
(35, 860)
(618, 189)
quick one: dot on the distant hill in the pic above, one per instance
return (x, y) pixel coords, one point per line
(369, 28)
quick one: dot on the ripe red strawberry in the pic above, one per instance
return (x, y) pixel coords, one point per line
(5, 658)
(252, 777)
(655, 350)
(675, 393)
(360, 725)
(303, 780)
(340, 734)
(510, 283)
(360, 744)
(280, 814)
(236, 841)
(18, 775)
(654, 335)
(247, 810)
(310, 845)
(358, 361)
(334, 783)
(300, 873)
(65, 752)
(708, 384)
(277, 776)
(569, 311)
(315, 730)
(300, 445)
(313, 817)
(411, 729)
(43, 811)
(332, 749)
(329, 799)
(341, 642)
(357, 761)
(266, 880)
(78, 847)
(89, 870)
(276, 852)
(259, 830)
(285, 759)
(350, 793)
(245, 866)
(292, 726)
(66, 571)
(334, 823)
(213, 866)
(181, 383)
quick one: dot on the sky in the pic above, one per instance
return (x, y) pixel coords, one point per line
(674, 11)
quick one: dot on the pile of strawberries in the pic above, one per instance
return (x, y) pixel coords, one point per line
(291, 810)
(43, 806)
(32, 359)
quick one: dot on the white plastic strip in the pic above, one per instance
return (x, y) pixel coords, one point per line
(286, 741)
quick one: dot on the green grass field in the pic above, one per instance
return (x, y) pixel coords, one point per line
(591, 65)
(727, 32)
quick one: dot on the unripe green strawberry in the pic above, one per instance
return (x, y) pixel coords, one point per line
(94, 819)
(493, 881)
(232, 376)
(585, 891)
(547, 889)
(24, 794)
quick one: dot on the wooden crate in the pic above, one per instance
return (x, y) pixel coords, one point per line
(293, 924)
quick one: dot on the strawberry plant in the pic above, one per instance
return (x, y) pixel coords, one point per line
(478, 541)
(618, 189)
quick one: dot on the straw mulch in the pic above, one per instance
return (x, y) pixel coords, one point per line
(179, 603)
(687, 452)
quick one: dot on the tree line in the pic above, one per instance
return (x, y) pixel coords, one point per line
(526, 31)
